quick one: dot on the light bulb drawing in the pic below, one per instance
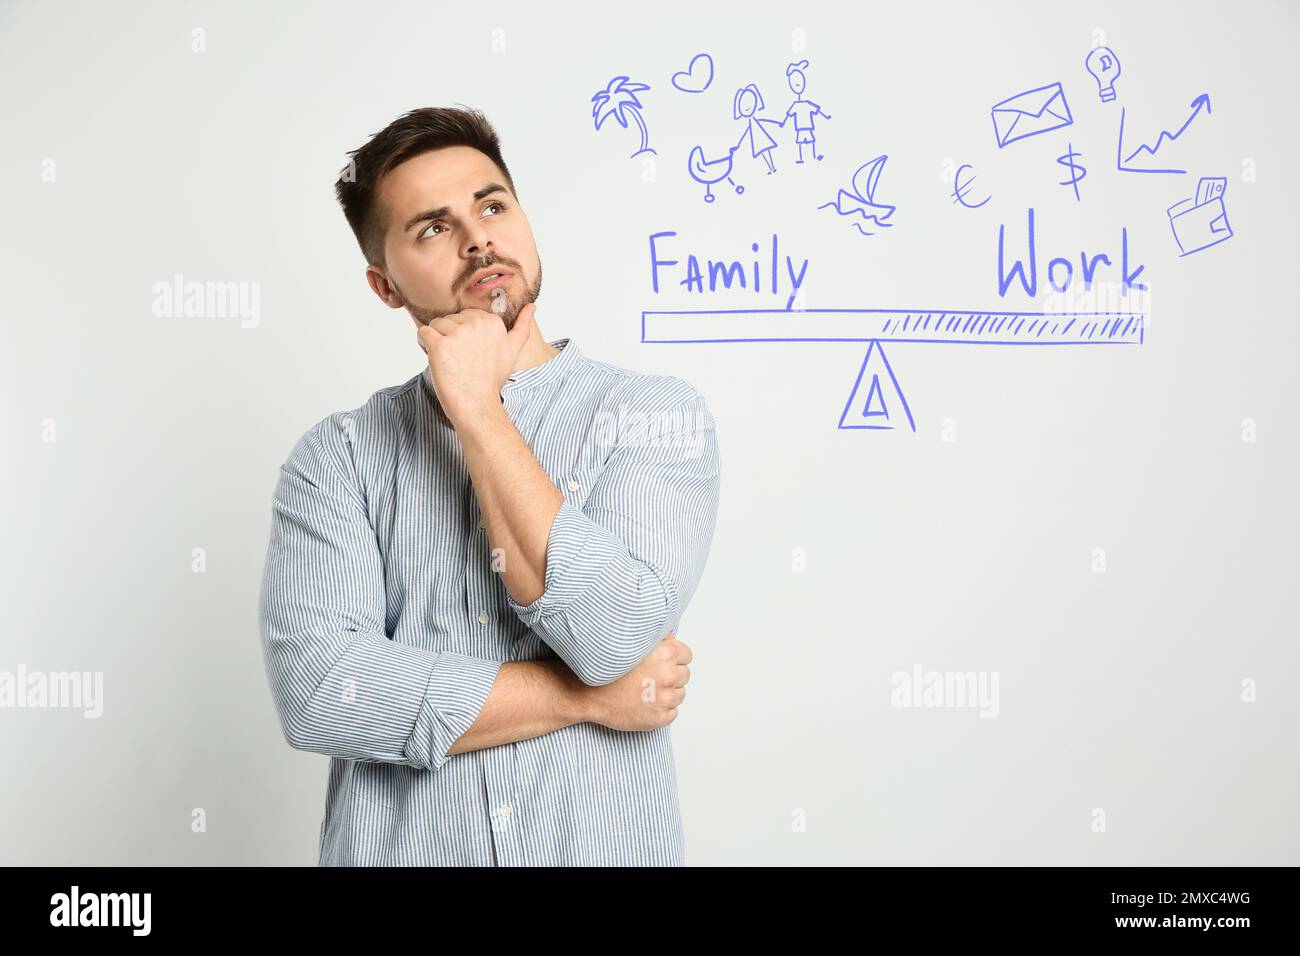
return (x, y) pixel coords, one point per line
(1103, 64)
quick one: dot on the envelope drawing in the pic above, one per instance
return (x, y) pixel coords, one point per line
(1030, 113)
(1197, 224)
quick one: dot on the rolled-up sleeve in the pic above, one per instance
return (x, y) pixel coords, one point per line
(341, 686)
(622, 567)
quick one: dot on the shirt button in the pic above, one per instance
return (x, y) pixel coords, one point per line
(573, 485)
(505, 809)
(484, 617)
(480, 523)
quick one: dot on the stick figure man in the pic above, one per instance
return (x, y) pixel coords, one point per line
(802, 110)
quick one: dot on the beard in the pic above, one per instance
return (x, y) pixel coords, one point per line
(508, 314)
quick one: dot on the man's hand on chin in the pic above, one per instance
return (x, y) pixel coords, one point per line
(471, 354)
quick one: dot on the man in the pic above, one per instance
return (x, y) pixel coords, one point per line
(474, 580)
(802, 110)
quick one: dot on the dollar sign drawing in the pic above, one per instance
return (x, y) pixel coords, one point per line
(1067, 160)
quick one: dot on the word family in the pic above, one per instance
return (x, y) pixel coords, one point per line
(758, 275)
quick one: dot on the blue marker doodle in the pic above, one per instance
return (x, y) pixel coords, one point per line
(1087, 266)
(862, 200)
(747, 104)
(912, 326)
(1202, 221)
(618, 99)
(1122, 161)
(959, 188)
(1030, 113)
(688, 81)
(710, 171)
(728, 271)
(1077, 172)
(802, 110)
(1103, 64)
(874, 407)
(876, 401)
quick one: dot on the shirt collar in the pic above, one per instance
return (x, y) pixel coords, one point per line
(552, 370)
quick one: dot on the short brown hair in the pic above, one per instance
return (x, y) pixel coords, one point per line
(409, 135)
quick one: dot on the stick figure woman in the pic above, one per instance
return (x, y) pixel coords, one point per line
(748, 102)
(802, 110)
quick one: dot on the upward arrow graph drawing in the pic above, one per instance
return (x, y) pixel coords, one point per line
(1202, 102)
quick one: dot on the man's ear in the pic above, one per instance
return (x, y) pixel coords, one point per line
(383, 288)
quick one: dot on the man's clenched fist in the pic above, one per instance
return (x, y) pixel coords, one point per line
(471, 354)
(647, 697)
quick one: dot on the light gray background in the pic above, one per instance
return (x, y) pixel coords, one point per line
(1119, 691)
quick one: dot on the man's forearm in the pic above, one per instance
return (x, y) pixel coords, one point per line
(529, 699)
(518, 499)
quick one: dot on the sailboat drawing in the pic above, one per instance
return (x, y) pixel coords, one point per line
(862, 200)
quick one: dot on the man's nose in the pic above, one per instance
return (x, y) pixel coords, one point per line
(477, 243)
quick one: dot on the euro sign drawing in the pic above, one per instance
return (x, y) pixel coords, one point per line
(1077, 171)
(960, 189)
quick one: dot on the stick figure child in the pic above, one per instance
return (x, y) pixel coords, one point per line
(749, 101)
(802, 110)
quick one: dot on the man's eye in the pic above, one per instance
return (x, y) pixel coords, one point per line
(499, 205)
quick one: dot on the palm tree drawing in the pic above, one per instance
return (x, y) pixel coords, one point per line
(618, 99)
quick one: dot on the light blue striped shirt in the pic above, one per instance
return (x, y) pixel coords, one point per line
(384, 624)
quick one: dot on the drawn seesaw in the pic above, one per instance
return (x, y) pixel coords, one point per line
(876, 387)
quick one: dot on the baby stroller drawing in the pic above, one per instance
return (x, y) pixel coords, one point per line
(709, 172)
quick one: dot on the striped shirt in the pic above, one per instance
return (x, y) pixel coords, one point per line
(383, 623)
